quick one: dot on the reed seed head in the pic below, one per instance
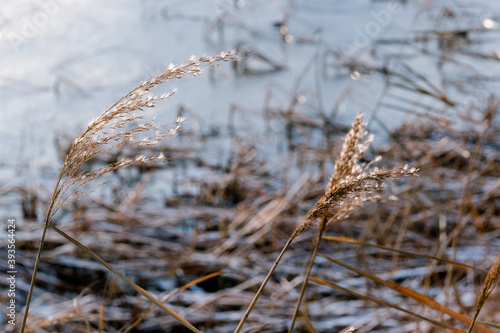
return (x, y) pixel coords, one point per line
(352, 183)
(123, 126)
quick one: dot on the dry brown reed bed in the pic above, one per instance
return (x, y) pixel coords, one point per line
(162, 259)
(414, 264)
(230, 232)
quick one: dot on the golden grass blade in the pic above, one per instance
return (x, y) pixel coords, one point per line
(378, 301)
(179, 290)
(357, 242)
(199, 280)
(422, 299)
(101, 311)
(101, 317)
(125, 279)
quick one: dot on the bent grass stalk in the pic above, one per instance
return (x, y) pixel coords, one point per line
(106, 134)
(124, 278)
(321, 230)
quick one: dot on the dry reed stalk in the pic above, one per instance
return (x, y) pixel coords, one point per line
(351, 185)
(409, 293)
(113, 131)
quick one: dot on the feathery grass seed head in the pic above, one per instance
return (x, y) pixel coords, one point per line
(352, 184)
(114, 130)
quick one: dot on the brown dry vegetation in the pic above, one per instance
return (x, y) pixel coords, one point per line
(413, 258)
(233, 229)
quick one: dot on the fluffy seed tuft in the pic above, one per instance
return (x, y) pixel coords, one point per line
(352, 184)
(111, 132)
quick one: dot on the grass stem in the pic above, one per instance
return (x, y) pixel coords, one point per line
(321, 230)
(125, 279)
(33, 278)
(262, 286)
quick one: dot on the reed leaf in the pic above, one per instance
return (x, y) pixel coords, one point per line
(124, 279)
(422, 299)
(384, 303)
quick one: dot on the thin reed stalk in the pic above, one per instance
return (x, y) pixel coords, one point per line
(33, 277)
(262, 286)
(125, 279)
(321, 230)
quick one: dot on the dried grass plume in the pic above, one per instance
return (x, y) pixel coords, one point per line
(351, 183)
(109, 132)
